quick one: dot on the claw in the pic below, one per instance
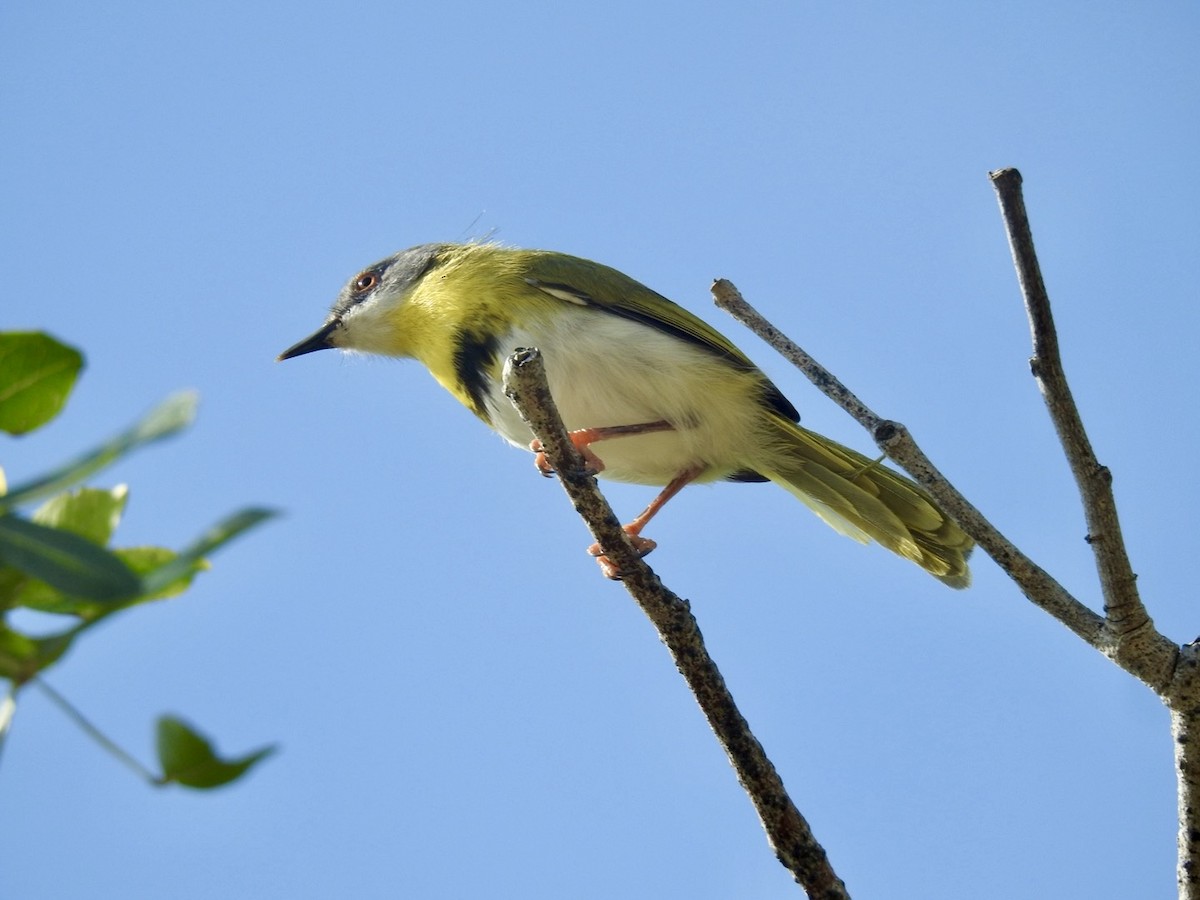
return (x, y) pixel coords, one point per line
(539, 459)
(592, 464)
(608, 569)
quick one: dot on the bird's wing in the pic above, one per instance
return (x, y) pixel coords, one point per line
(586, 283)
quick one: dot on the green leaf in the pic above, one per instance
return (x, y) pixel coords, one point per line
(187, 758)
(89, 512)
(169, 417)
(12, 584)
(66, 561)
(16, 652)
(35, 594)
(31, 593)
(92, 513)
(161, 573)
(22, 656)
(36, 376)
(184, 564)
(149, 561)
(143, 561)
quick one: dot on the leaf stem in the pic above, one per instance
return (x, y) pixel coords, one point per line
(96, 734)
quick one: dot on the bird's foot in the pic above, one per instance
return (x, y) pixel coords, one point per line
(608, 569)
(592, 464)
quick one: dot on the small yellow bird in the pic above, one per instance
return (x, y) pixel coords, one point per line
(652, 394)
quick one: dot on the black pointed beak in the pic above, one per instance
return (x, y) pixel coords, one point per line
(318, 340)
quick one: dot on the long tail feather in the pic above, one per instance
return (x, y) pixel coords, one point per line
(862, 499)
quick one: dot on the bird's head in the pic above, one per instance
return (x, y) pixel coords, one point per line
(367, 314)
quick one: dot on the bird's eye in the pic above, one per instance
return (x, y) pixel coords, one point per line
(366, 281)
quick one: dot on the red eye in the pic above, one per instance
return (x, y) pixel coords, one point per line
(366, 281)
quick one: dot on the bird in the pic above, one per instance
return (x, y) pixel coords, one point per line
(650, 393)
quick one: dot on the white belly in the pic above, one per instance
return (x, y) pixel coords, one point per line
(604, 370)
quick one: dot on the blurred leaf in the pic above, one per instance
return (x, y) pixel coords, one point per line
(38, 595)
(31, 593)
(92, 513)
(169, 417)
(188, 759)
(149, 561)
(36, 376)
(66, 561)
(89, 512)
(161, 573)
(22, 656)
(12, 583)
(186, 561)
(16, 651)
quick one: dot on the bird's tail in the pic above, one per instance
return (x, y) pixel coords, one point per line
(860, 498)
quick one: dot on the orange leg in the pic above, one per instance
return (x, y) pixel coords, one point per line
(585, 437)
(634, 529)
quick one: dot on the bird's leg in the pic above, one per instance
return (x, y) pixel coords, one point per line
(634, 529)
(584, 437)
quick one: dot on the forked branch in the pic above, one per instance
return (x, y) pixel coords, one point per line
(1129, 624)
(1139, 649)
(1125, 633)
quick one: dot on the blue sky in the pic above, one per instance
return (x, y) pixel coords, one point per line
(465, 708)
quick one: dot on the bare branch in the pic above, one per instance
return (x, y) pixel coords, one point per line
(787, 830)
(1125, 633)
(730, 299)
(1138, 646)
(1127, 618)
(896, 441)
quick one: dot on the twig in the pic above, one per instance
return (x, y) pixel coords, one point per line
(1126, 616)
(896, 441)
(787, 830)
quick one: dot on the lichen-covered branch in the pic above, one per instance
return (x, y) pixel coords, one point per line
(787, 830)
